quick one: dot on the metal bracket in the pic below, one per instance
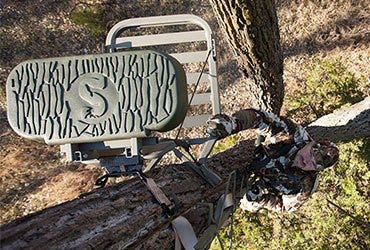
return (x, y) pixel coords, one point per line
(202, 170)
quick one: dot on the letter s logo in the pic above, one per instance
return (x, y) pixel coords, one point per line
(92, 98)
(90, 91)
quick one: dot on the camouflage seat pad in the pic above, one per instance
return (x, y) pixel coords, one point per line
(96, 97)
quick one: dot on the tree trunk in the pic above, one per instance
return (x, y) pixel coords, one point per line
(125, 215)
(345, 124)
(253, 33)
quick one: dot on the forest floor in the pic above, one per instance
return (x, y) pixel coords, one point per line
(34, 176)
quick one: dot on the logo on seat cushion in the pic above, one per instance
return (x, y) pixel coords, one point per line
(93, 97)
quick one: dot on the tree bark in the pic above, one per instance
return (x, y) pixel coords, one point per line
(253, 33)
(343, 125)
(127, 216)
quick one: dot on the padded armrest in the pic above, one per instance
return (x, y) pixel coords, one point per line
(99, 97)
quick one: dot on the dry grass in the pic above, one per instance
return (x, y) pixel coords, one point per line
(334, 30)
(32, 176)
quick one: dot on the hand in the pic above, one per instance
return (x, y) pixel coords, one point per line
(221, 126)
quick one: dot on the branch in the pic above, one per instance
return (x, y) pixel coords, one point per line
(127, 216)
(361, 222)
(343, 125)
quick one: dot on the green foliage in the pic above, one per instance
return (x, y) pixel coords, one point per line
(318, 224)
(225, 143)
(91, 17)
(329, 86)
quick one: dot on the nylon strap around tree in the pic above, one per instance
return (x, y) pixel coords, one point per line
(184, 232)
(224, 203)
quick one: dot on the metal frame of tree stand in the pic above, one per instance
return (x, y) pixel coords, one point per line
(50, 95)
(102, 108)
(199, 31)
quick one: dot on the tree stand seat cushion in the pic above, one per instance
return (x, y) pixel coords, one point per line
(99, 97)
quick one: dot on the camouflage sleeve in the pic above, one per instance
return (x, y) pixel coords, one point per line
(259, 197)
(270, 126)
(292, 202)
(247, 118)
(267, 201)
(281, 204)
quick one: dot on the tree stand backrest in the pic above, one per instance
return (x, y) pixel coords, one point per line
(188, 38)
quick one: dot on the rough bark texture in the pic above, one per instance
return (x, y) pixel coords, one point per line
(252, 30)
(344, 125)
(125, 215)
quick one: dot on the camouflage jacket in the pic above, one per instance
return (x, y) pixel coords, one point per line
(278, 184)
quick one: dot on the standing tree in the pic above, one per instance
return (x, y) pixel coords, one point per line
(252, 30)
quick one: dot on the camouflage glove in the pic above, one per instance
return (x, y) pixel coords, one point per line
(221, 126)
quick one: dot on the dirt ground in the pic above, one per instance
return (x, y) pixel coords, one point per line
(34, 176)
